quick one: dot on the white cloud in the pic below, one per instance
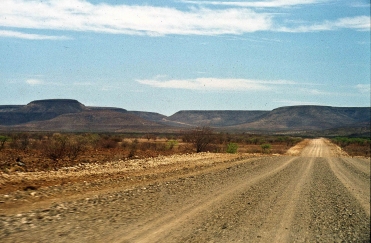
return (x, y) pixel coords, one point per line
(34, 82)
(363, 88)
(316, 92)
(216, 84)
(16, 34)
(361, 23)
(79, 15)
(257, 4)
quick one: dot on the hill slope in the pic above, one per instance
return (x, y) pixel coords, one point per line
(214, 118)
(309, 118)
(151, 116)
(96, 120)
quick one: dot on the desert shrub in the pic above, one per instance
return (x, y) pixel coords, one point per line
(61, 146)
(116, 139)
(160, 147)
(253, 140)
(14, 141)
(19, 141)
(92, 139)
(107, 143)
(144, 146)
(3, 139)
(254, 149)
(56, 148)
(266, 147)
(125, 144)
(75, 146)
(291, 141)
(133, 148)
(24, 141)
(36, 145)
(149, 136)
(232, 148)
(171, 144)
(200, 137)
(239, 139)
(214, 148)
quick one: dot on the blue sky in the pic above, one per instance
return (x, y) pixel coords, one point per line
(166, 56)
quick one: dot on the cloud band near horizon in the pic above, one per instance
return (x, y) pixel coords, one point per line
(216, 84)
(230, 84)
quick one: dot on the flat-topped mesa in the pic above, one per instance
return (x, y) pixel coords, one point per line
(39, 110)
(57, 106)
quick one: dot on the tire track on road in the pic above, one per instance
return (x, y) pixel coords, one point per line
(352, 173)
(292, 199)
(358, 186)
(336, 215)
(362, 165)
(245, 216)
(292, 195)
(160, 228)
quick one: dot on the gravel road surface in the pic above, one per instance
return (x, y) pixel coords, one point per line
(318, 195)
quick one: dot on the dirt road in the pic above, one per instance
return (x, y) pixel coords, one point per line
(315, 196)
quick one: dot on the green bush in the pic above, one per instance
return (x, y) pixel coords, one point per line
(232, 148)
(171, 144)
(266, 148)
(344, 141)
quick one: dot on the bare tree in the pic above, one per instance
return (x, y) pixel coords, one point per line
(200, 137)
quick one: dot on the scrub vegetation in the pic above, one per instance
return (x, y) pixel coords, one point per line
(354, 146)
(36, 151)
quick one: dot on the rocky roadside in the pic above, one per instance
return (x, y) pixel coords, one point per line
(91, 187)
(22, 191)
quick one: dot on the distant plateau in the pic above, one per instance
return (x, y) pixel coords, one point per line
(68, 115)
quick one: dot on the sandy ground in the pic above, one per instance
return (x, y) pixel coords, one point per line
(315, 193)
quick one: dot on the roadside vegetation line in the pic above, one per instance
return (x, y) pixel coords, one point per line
(38, 151)
(353, 146)
(154, 230)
